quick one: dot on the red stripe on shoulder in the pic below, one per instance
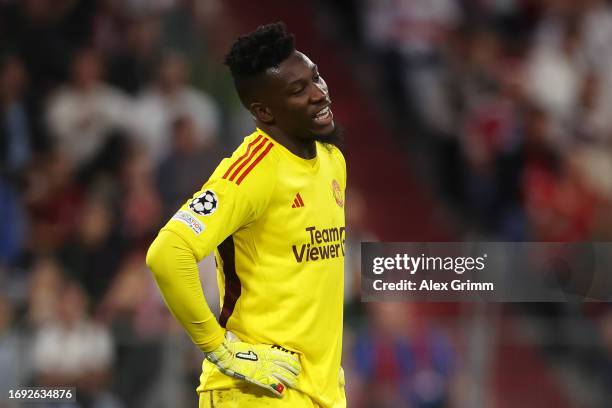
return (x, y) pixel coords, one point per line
(239, 159)
(248, 159)
(254, 163)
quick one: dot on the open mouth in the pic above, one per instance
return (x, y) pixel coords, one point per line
(324, 116)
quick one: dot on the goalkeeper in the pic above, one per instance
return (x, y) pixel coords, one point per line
(273, 213)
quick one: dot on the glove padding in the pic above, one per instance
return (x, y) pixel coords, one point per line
(268, 366)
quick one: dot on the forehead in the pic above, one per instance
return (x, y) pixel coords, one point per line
(296, 67)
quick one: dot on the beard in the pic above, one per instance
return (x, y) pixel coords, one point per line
(335, 138)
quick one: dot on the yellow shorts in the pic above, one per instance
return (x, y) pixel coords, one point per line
(252, 396)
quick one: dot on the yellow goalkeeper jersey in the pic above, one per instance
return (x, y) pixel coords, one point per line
(276, 223)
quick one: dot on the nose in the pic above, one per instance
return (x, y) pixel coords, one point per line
(319, 92)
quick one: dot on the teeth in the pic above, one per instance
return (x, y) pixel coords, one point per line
(323, 112)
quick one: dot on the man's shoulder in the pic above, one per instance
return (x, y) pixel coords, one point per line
(253, 163)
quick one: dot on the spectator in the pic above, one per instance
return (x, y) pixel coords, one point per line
(133, 308)
(132, 67)
(401, 364)
(139, 202)
(15, 136)
(12, 350)
(416, 30)
(93, 252)
(357, 232)
(12, 224)
(171, 97)
(82, 114)
(561, 207)
(109, 25)
(72, 350)
(45, 282)
(556, 72)
(54, 201)
(24, 24)
(180, 174)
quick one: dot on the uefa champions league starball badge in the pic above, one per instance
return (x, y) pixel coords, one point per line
(204, 203)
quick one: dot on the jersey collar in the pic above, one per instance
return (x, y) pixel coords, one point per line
(312, 164)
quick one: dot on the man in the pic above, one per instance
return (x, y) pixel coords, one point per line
(274, 211)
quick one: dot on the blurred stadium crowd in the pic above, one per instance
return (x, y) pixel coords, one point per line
(515, 100)
(113, 112)
(505, 107)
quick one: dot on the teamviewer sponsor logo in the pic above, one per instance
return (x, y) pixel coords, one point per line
(325, 243)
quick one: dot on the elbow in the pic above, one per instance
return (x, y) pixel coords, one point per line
(157, 259)
(168, 254)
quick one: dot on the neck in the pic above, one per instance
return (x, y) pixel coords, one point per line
(306, 149)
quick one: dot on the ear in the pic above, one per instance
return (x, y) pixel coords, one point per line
(261, 112)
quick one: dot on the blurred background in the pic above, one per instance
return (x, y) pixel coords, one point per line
(465, 120)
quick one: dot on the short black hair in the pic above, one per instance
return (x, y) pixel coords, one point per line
(264, 48)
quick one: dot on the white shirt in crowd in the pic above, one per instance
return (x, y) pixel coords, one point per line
(155, 112)
(72, 351)
(80, 120)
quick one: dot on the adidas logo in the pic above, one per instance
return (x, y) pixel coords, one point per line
(297, 201)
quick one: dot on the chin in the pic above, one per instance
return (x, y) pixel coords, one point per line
(330, 134)
(327, 130)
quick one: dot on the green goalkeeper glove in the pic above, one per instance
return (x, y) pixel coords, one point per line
(268, 366)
